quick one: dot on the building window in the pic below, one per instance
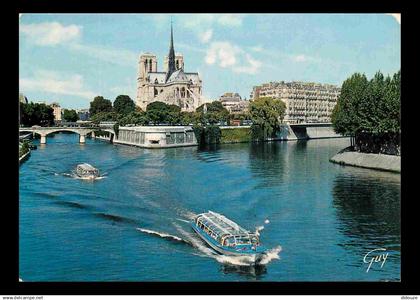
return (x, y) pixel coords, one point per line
(155, 92)
(189, 137)
(170, 138)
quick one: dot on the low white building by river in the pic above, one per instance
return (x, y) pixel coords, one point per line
(156, 136)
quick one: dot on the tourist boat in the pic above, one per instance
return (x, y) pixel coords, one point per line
(227, 237)
(86, 171)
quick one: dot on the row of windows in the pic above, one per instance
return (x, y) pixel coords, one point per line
(171, 138)
(179, 137)
(132, 137)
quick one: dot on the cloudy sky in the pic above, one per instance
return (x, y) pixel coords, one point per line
(71, 58)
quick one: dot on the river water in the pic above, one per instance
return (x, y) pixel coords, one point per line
(320, 219)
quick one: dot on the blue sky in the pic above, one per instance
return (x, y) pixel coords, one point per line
(71, 58)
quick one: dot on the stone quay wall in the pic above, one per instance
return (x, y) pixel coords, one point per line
(383, 162)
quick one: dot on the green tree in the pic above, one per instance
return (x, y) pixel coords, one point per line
(100, 104)
(173, 116)
(266, 114)
(187, 118)
(105, 116)
(137, 118)
(214, 113)
(345, 117)
(70, 115)
(162, 113)
(369, 111)
(36, 114)
(123, 104)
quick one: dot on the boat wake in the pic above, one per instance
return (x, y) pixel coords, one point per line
(74, 176)
(193, 240)
(163, 235)
(243, 260)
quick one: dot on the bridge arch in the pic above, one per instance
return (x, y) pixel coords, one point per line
(43, 132)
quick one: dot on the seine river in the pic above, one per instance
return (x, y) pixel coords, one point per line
(320, 219)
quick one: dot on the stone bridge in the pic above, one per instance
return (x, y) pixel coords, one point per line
(81, 131)
(304, 131)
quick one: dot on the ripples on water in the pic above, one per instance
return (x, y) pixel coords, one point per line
(133, 224)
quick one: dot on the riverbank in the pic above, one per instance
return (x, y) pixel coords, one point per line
(231, 135)
(382, 162)
(242, 134)
(24, 157)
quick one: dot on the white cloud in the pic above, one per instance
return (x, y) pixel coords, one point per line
(252, 67)
(196, 21)
(397, 17)
(128, 88)
(51, 33)
(189, 47)
(224, 54)
(111, 55)
(54, 33)
(300, 58)
(258, 48)
(56, 83)
(305, 58)
(232, 20)
(205, 37)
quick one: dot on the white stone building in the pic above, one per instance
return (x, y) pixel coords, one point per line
(306, 102)
(234, 103)
(57, 111)
(172, 86)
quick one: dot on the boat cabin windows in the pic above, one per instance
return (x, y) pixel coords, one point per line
(225, 232)
(86, 171)
(254, 240)
(243, 240)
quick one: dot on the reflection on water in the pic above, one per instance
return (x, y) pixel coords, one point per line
(253, 272)
(369, 209)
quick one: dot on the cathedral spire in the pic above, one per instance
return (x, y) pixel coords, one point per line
(171, 56)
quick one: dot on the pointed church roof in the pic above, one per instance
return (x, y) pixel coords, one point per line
(178, 75)
(171, 57)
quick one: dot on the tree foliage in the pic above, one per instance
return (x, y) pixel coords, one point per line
(161, 113)
(100, 104)
(70, 115)
(136, 118)
(36, 114)
(212, 113)
(207, 135)
(266, 114)
(105, 116)
(369, 110)
(123, 104)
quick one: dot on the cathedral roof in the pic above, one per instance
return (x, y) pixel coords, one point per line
(177, 76)
(158, 77)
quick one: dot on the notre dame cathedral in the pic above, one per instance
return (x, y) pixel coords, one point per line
(173, 86)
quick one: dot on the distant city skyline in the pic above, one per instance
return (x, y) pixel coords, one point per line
(71, 58)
